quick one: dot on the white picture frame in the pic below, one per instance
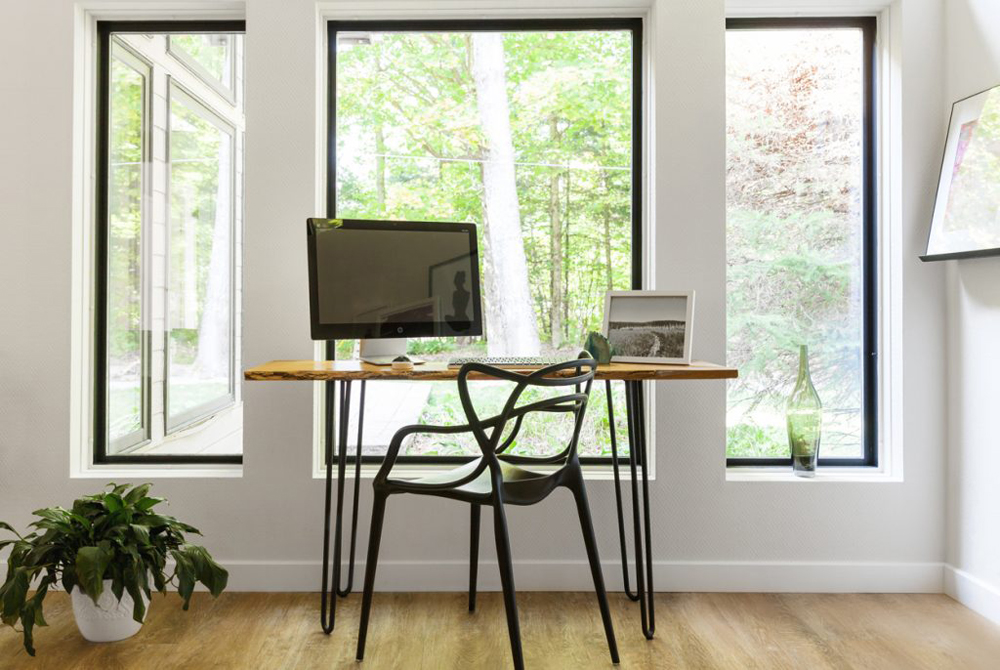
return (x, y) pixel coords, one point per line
(626, 312)
(966, 220)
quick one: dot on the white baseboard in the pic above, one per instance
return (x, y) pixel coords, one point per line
(668, 576)
(972, 592)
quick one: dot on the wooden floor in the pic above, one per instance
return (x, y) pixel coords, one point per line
(561, 630)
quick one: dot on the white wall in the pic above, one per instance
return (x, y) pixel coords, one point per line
(973, 295)
(709, 533)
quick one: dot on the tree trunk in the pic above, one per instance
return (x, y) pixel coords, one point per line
(606, 216)
(513, 327)
(568, 252)
(379, 170)
(556, 252)
(213, 331)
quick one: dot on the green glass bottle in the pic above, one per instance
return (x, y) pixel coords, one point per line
(805, 420)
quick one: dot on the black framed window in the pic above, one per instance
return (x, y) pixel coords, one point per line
(168, 230)
(530, 129)
(802, 232)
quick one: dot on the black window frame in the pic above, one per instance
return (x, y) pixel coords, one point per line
(631, 24)
(105, 31)
(870, 308)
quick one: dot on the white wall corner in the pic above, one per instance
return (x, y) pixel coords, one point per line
(976, 594)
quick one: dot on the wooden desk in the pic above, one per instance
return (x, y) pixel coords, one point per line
(318, 371)
(346, 372)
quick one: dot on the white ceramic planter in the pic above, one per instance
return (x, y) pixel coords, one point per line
(108, 621)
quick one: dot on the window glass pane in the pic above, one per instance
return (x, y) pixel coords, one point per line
(126, 387)
(213, 54)
(526, 134)
(200, 257)
(795, 110)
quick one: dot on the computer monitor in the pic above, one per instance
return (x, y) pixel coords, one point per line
(393, 279)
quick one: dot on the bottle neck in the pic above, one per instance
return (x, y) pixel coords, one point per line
(804, 364)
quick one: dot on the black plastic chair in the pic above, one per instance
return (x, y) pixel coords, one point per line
(497, 479)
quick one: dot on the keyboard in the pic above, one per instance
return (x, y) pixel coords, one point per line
(507, 361)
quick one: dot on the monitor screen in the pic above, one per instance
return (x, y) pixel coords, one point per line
(382, 279)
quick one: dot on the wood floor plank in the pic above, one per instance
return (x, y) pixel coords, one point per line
(560, 631)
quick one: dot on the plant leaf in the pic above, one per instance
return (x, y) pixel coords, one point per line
(141, 534)
(28, 623)
(6, 526)
(90, 565)
(137, 494)
(68, 580)
(113, 502)
(147, 504)
(14, 592)
(185, 576)
(209, 573)
(153, 520)
(133, 587)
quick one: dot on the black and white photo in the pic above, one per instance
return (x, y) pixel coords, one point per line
(649, 326)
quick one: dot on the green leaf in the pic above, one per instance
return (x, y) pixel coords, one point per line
(141, 534)
(209, 573)
(28, 623)
(68, 580)
(113, 502)
(53, 514)
(91, 563)
(147, 504)
(14, 592)
(6, 526)
(134, 589)
(36, 600)
(153, 520)
(137, 494)
(185, 576)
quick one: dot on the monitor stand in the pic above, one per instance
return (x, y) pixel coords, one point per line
(384, 351)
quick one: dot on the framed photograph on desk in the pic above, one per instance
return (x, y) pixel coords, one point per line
(649, 326)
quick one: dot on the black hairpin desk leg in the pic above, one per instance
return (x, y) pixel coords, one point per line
(641, 526)
(328, 593)
(618, 490)
(346, 591)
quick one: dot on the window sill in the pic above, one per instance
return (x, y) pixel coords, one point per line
(828, 474)
(160, 471)
(369, 470)
(218, 435)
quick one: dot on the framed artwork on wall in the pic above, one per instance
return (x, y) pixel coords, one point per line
(649, 326)
(966, 222)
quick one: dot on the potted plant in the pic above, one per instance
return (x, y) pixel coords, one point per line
(103, 552)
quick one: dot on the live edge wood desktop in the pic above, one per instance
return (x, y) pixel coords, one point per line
(348, 371)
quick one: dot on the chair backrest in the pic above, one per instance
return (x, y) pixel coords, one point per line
(576, 373)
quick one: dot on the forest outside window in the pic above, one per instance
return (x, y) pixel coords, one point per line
(168, 235)
(529, 129)
(801, 232)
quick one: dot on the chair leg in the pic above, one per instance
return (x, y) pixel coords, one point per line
(507, 580)
(374, 539)
(583, 509)
(473, 555)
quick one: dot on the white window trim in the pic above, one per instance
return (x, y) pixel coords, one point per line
(889, 253)
(82, 372)
(504, 9)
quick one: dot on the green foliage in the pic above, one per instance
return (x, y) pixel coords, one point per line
(410, 147)
(541, 434)
(112, 535)
(793, 233)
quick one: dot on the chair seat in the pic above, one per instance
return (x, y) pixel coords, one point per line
(521, 486)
